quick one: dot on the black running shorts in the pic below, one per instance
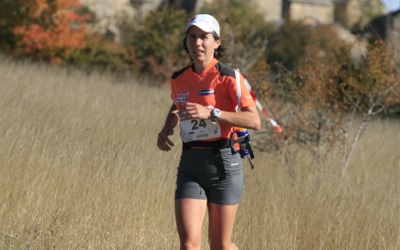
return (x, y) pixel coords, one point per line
(198, 177)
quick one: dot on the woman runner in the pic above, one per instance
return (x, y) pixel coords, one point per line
(205, 98)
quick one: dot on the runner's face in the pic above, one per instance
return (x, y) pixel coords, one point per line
(201, 45)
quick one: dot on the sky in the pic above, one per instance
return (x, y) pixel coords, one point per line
(391, 5)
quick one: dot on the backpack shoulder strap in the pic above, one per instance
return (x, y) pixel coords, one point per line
(239, 88)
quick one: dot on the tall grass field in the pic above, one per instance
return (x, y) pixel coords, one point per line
(79, 169)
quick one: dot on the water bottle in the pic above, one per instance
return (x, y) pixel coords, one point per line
(242, 133)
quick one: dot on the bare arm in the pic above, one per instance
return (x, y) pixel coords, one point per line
(247, 118)
(163, 142)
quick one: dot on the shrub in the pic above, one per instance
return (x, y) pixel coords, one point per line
(320, 98)
(101, 54)
(52, 30)
(287, 45)
(157, 43)
(12, 13)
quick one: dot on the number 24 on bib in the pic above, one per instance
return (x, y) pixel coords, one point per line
(199, 129)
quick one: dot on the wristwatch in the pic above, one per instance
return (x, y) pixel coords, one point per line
(215, 113)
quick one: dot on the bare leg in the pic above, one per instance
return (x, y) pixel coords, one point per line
(189, 214)
(222, 219)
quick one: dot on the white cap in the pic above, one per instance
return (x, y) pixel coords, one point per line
(205, 22)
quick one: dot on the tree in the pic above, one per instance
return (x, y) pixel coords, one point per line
(52, 30)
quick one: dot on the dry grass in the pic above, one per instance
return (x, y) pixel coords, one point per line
(79, 169)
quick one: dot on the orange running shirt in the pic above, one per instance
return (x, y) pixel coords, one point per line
(214, 87)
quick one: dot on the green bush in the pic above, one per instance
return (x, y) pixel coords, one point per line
(102, 54)
(157, 43)
(288, 44)
(12, 14)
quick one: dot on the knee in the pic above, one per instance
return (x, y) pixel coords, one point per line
(215, 245)
(190, 245)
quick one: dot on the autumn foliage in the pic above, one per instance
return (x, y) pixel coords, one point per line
(320, 99)
(53, 30)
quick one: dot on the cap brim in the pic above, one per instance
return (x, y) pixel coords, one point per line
(204, 28)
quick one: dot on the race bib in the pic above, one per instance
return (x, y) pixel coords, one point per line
(199, 129)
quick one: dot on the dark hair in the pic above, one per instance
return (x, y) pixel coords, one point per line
(220, 52)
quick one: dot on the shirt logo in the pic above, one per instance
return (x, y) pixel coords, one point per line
(206, 92)
(182, 97)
